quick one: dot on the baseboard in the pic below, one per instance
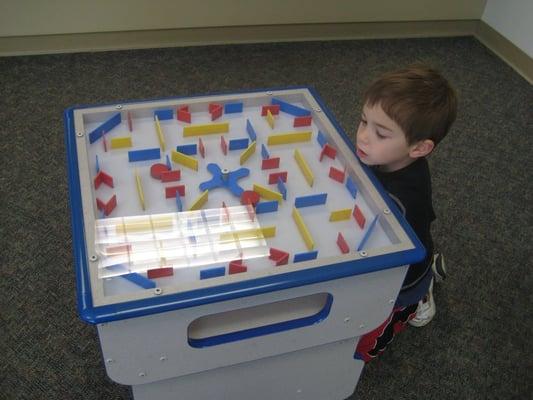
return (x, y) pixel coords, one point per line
(106, 41)
(506, 50)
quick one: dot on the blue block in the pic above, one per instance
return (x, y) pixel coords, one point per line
(179, 204)
(264, 152)
(352, 188)
(291, 109)
(321, 139)
(164, 114)
(212, 272)
(105, 127)
(238, 144)
(251, 131)
(231, 108)
(145, 154)
(140, 280)
(266, 207)
(189, 149)
(367, 233)
(312, 200)
(282, 188)
(311, 255)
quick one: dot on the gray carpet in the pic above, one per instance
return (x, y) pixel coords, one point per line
(478, 346)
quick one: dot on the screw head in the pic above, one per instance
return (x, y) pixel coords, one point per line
(158, 290)
(79, 134)
(118, 106)
(386, 211)
(93, 258)
(363, 253)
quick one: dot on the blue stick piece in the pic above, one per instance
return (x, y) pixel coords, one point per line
(266, 207)
(212, 272)
(282, 188)
(97, 165)
(251, 131)
(311, 200)
(169, 165)
(311, 255)
(133, 277)
(189, 149)
(321, 139)
(179, 204)
(105, 127)
(164, 114)
(291, 108)
(264, 152)
(231, 108)
(367, 233)
(229, 181)
(352, 188)
(238, 144)
(145, 154)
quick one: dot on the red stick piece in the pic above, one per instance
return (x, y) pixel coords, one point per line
(121, 249)
(273, 178)
(104, 141)
(216, 111)
(130, 125)
(341, 242)
(280, 257)
(183, 115)
(359, 217)
(156, 170)
(102, 177)
(302, 121)
(236, 267)
(201, 147)
(170, 192)
(223, 145)
(274, 109)
(270, 163)
(226, 212)
(160, 272)
(337, 174)
(183, 108)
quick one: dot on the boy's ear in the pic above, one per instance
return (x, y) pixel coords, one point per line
(422, 148)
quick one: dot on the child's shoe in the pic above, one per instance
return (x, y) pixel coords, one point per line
(426, 309)
(438, 267)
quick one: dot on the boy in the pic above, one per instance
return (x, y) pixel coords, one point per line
(406, 113)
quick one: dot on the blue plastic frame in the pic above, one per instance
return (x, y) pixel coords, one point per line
(157, 304)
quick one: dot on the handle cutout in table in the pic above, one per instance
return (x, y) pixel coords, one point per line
(265, 319)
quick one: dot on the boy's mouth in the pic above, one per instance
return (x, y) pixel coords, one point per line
(361, 153)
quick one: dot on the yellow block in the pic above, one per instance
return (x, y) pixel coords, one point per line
(205, 129)
(308, 239)
(340, 215)
(266, 193)
(289, 137)
(304, 167)
(184, 159)
(270, 119)
(200, 201)
(259, 233)
(246, 154)
(159, 133)
(140, 189)
(121, 142)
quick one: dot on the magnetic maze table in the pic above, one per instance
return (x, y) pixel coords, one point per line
(230, 246)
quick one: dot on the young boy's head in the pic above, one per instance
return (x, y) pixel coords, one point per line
(406, 113)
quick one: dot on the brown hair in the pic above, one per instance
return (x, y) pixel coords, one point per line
(418, 98)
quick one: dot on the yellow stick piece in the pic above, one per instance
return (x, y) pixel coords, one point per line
(340, 215)
(304, 167)
(145, 225)
(289, 137)
(259, 233)
(205, 129)
(121, 142)
(159, 133)
(184, 159)
(140, 191)
(200, 201)
(266, 193)
(246, 154)
(270, 119)
(308, 239)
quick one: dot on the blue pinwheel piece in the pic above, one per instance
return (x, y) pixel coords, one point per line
(228, 181)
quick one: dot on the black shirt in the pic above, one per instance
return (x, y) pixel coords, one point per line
(411, 186)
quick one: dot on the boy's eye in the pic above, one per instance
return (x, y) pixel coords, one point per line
(363, 121)
(379, 135)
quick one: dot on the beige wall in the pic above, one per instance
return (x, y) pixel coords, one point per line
(46, 17)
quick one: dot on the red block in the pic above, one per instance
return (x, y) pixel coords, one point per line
(108, 207)
(236, 267)
(328, 151)
(201, 147)
(302, 121)
(183, 115)
(273, 178)
(274, 109)
(183, 108)
(336, 174)
(156, 170)
(270, 163)
(160, 272)
(102, 177)
(341, 242)
(223, 145)
(280, 257)
(250, 197)
(170, 192)
(171, 176)
(359, 217)
(215, 110)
